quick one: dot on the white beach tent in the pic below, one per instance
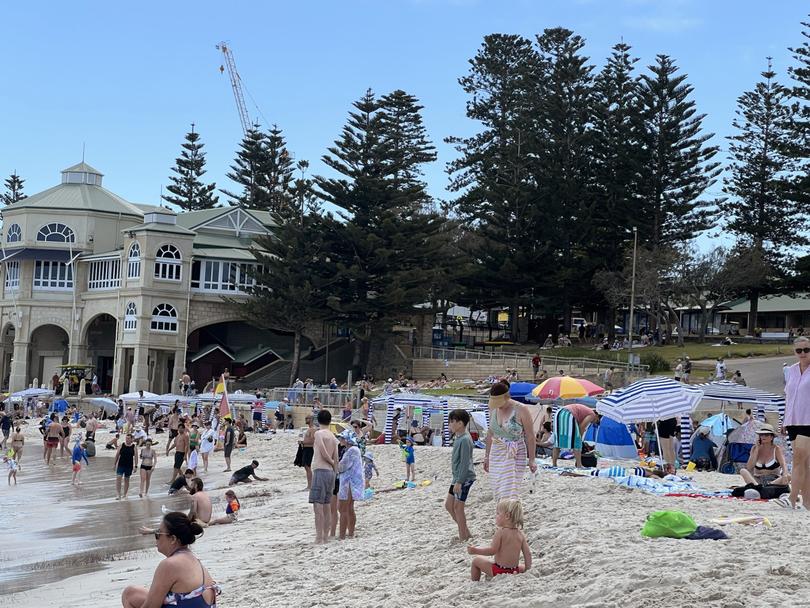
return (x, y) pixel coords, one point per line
(430, 405)
(134, 397)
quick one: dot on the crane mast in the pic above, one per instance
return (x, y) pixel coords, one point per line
(236, 85)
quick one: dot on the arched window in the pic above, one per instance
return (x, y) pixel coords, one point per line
(56, 233)
(131, 317)
(164, 318)
(168, 263)
(14, 233)
(134, 266)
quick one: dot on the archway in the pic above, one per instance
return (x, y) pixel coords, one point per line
(100, 341)
(48, 350)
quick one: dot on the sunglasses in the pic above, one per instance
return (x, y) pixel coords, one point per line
(802, 350)
(159, 534)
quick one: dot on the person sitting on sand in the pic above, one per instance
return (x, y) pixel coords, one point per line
(182, 483)
(231, 510)
(506, 546)
(766, 465)
(703, 451)
(244, 474)
(200, 502)
(180, 579)
(545, 440)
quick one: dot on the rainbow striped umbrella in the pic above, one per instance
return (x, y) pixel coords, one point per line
(566, 387)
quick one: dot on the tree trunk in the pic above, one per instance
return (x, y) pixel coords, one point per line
(296, 358)
(704, 324)
(753, 299)
(513, 322)
(610, 323)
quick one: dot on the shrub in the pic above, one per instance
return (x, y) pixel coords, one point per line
(656, 362)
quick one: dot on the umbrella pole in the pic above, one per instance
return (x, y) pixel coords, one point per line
(660, 447)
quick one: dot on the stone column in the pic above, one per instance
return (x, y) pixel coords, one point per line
(19, 367)
(177, 371)
(140, 369)
(118, 371)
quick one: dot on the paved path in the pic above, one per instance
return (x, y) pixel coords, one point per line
(762, 372)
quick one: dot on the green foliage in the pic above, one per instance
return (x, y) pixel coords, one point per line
(656, 362)
(387, 234)
(187, 191)
(14, 189)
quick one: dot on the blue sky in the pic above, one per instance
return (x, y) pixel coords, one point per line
(127, 79)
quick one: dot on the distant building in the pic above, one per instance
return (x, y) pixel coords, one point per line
(136, 291)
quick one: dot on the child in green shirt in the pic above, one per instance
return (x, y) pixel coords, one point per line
(463, 472)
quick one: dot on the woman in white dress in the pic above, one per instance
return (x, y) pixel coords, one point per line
(207, 441)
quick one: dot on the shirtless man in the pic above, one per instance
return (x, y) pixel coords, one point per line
(90, 428)
(174, 422)
(180, 444)
(324, 470)
(53, 435)
(17, 443)
(200, 502)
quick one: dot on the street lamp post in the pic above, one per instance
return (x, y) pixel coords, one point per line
(633, 291)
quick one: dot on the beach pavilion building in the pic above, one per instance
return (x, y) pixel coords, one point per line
(136, 291)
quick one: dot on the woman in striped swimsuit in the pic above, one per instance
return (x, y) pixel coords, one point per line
(508, 443)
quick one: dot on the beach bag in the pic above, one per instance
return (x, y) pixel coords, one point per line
(670, 524)
(589, 460)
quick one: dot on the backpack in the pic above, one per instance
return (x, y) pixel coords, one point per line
(671, 524)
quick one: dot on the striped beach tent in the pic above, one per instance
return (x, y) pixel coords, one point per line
(429, 404)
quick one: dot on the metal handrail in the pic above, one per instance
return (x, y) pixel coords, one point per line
(548, 361)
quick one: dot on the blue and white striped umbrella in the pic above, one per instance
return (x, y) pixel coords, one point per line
(650, 399)
(725, 390)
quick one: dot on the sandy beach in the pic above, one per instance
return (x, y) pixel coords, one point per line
(584, 534)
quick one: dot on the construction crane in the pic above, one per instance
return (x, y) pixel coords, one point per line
(236, 85)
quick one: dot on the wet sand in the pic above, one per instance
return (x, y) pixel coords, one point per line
(53, 530)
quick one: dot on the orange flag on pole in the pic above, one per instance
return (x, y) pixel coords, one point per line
(224, 406)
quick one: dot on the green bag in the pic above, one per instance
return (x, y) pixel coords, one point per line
(672, 524)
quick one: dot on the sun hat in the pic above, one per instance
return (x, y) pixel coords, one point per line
(349, 437)
(766, 429)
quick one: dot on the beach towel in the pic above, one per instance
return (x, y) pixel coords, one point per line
(566, 431)
(507, 463)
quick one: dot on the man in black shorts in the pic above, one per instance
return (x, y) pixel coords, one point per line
(667, 430)
(244, 474)
(228, 443)
(180, 444)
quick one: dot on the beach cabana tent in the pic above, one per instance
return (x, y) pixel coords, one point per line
(133, 397)
(35, 393)
(612, 439)
(519, 391)
(429, 404)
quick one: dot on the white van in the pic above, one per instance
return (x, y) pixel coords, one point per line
(575, 323)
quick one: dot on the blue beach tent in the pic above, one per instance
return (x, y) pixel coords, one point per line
(612, 439)
(520, 390)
